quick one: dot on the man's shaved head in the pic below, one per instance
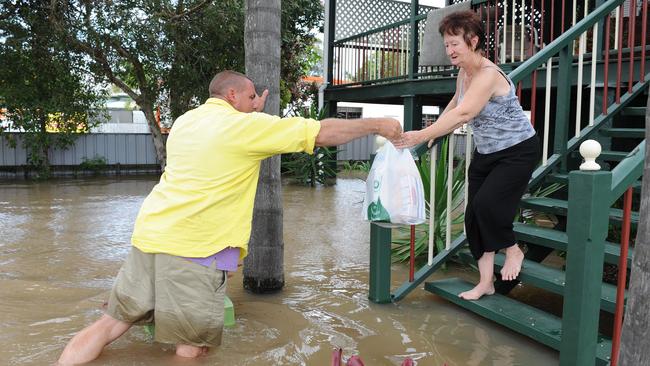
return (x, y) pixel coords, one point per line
(227, 80)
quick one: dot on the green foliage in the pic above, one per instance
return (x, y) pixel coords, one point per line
(163, 53)
(160, 53)
(300, 53)
(43, 87)
(95, 164)
(310, 169)
(356, 165)
(166, 52)
(302, 102)
(529, 216)
(401, 242)
(379, 65)
(200, 45)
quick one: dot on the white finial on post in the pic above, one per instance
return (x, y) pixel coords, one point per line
(590, 150)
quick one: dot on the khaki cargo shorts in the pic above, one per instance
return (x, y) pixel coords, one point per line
(184, 300)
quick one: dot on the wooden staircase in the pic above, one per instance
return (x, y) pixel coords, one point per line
(553, 84)
(541, 241)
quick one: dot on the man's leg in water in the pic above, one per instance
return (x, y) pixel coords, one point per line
(86, 345)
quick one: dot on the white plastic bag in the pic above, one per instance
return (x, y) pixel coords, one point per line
(394, 191)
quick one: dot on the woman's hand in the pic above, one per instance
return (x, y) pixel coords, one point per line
(408, 139)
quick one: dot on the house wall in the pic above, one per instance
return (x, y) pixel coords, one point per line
(362, 148)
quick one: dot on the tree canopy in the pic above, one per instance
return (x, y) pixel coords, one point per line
(164, 52)
(43, 88)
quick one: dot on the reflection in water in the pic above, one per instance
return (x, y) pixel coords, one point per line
(62, 242)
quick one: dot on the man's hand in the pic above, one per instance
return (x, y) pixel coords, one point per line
(391, 129)
(260, 101)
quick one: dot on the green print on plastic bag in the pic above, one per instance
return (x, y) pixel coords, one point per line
(377, 212)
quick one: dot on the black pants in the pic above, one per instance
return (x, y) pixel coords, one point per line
(496, 183)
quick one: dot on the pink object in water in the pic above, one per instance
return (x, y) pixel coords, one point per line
(408, 362)
(336, 357)
(355, 361)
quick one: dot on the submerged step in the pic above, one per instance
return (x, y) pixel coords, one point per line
(525, 319)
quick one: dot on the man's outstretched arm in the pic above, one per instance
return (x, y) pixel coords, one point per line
(336, 131)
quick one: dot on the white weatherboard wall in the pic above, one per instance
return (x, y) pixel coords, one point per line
(361, 148)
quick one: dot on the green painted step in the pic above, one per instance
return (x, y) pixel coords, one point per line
(559, 207)
(612, 155)
(633, 111)
(550, 279)
(534, 323)
(564, 179)
(623, 132)
(558, 240)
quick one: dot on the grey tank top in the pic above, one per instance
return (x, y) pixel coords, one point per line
(501, 123)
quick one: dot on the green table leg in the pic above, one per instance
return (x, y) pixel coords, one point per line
(228, 313)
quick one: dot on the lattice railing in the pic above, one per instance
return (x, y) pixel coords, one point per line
(515, 30)
(358, 16)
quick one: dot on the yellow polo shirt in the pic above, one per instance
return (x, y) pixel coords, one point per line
(204, 200)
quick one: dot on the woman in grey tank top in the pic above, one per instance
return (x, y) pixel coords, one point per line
(507, 148)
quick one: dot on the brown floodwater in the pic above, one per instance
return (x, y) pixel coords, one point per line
(63, 241)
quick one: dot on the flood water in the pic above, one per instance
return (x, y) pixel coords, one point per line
(62, 242)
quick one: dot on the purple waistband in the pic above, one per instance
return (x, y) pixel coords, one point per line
(226, 259)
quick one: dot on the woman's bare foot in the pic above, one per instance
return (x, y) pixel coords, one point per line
(512, 266)
(478, 291)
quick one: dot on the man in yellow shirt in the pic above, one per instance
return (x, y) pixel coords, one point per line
(195, 224)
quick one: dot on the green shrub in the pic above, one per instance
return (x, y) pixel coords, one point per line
(310, 169)
(95, 164)
(356, 165)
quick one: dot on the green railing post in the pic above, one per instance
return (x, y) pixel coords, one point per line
(412, 113)
(380, 239)
(413, 56)
(588, 218)
(563, 105)
(331, 108)
(330, 12)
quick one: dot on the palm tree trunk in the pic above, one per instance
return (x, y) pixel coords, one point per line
(635, 341)
(264, 265)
